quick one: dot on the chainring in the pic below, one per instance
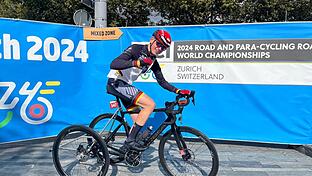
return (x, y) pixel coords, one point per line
(133, 158)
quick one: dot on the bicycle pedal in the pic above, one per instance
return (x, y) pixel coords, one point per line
(133, 158)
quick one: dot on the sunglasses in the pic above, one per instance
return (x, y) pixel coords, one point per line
(161, 46)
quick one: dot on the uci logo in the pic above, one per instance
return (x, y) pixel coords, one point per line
(32, 113)
(149, 75)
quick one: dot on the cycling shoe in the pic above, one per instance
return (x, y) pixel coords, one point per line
(133, 145)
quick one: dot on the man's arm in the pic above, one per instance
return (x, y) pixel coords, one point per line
(161, 80)
(123, 61)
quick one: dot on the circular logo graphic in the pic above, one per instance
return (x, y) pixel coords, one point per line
(145, 76)
(36, 111)
(39, 114)
(7, 119)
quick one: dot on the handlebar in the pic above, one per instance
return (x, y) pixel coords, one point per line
(187, 99)
(181, 101)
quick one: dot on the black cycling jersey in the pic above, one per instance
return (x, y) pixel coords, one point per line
(123, 67)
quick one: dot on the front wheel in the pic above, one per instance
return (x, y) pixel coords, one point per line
(197, 157)
(78, 150)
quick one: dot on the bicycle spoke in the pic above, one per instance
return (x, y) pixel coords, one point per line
(67, 149)
(195, 159)
(75, 139)
(199, 149)
(109, 126)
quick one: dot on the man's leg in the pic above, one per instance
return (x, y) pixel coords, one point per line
(148, 105)
(134, 117)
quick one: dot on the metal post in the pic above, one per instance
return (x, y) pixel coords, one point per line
(100, 8)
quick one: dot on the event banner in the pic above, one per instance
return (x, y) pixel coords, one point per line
(252, 81)
(213, 61)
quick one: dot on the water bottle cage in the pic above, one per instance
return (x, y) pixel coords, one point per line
(146, 134)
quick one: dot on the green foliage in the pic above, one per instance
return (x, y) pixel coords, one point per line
(173, 12)
(59, 11)
(184, 11)
(11, 9)
(231, 11)
(127, 13)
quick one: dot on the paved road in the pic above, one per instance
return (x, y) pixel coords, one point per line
(34, 159)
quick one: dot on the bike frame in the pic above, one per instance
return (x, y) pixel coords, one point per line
(170, 120)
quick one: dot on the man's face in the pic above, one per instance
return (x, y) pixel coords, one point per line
(157, 47)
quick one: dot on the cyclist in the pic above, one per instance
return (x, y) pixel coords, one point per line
(126, 68)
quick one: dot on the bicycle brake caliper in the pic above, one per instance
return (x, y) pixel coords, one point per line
(182, 152)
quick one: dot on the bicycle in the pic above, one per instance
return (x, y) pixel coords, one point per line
(175, 150)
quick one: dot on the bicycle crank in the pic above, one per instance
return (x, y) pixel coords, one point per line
(133, 158)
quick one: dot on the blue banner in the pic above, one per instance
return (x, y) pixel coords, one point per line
(252, 81)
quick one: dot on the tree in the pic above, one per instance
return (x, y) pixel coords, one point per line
(299, 10)
(184, 11)
(12, 9)
(174, 12)
(120, 13)
(128, 13)
(231, 11)
(59, 11)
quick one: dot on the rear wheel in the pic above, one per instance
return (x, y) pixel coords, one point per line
(197, 157)
(78, 150)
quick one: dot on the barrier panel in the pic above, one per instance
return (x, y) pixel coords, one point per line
(252, 81)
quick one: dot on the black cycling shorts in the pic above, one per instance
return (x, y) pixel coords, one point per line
(128, 94)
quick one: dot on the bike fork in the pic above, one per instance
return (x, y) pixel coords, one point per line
(180, 142)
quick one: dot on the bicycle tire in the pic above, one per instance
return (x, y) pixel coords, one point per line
(107, 116)
(89, 132)
(183, 129)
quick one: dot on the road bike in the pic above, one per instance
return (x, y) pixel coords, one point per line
(182, 150)
(80, 150)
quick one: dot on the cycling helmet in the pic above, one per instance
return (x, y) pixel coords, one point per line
(163, 37)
